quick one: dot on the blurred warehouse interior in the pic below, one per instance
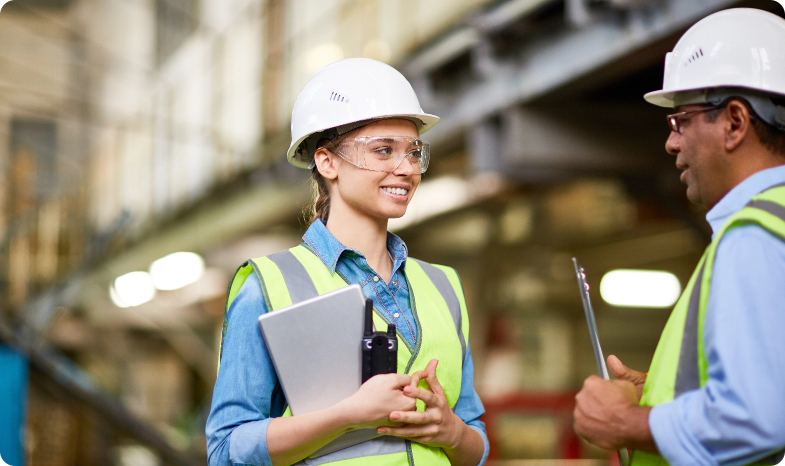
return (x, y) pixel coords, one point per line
(134, 129)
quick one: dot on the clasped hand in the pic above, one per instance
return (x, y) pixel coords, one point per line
(388, 402)
(437, 426)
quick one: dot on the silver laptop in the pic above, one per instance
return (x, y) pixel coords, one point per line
(315, 348)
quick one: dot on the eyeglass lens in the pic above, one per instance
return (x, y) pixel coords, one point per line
(385, 154)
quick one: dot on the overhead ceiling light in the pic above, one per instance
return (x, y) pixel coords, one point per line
(177, 270)
(132, 289)
(116, 297)
(640, 288)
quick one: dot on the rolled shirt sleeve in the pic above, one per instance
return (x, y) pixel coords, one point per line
(738, 416)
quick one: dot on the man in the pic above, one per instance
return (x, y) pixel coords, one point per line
(715, 392)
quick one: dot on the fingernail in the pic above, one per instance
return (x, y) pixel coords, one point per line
(381, 430)
(394, 416)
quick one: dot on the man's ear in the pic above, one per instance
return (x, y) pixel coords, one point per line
(737, 126)
(327, 163)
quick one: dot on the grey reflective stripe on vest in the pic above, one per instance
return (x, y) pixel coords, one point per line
(443, 285)
(298, 282)
(688, 373)
(771, 207)
(379, 446)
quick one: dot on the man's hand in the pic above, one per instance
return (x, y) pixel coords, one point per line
(607, 414)
(623, 372)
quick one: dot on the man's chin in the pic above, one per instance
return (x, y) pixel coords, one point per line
(693, 196)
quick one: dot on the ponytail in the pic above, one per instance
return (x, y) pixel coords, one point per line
(320, 207)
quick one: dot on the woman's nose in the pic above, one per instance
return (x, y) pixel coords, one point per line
(405, 168)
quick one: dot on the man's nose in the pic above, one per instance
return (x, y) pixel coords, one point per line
(672, 144)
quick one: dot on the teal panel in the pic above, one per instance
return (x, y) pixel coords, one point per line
(13, 405)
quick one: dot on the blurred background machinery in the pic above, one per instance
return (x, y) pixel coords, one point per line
(131, 130)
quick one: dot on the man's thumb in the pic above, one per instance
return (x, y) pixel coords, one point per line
(617, 368)
(623, 372)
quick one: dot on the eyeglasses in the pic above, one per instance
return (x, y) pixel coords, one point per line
(385, 154)
(675, 119)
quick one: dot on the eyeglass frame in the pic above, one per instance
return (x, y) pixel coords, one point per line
(675, 125)
(354, 141)
(673, 119)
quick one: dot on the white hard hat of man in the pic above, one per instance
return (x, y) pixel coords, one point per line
(348, 94)
(733, 53)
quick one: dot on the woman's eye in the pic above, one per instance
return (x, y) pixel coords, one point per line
(386, 151)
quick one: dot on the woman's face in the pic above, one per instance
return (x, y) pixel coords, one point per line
(376, 194)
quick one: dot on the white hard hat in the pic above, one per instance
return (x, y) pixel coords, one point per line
(345, 95)
(736, 52)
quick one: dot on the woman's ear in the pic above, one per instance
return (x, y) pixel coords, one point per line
(326, 163)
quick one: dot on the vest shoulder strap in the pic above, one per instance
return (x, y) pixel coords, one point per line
(446, 281)
(767, 210)
(298, 281)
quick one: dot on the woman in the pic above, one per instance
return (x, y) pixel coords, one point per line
(356, 125)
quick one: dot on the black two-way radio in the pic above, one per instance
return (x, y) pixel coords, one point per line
(380, 349)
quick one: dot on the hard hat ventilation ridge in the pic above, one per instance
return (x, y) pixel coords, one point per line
(695, 57)
(338, 97)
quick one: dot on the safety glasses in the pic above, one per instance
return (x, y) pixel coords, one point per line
(675, 119)
(385, 154)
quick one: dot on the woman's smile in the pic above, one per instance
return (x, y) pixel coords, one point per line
(398, 193)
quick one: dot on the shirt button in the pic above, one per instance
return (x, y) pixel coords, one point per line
(376, 279)
(394, 283)
(396, 315)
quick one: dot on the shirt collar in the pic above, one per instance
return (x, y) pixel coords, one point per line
(742, 193)
(329, 249)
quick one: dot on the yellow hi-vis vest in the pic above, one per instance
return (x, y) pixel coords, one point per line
(439, 307)
(679, 363)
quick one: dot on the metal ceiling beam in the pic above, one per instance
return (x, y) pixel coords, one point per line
(541, 144)
(547, 63)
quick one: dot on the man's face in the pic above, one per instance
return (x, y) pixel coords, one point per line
(700, 156)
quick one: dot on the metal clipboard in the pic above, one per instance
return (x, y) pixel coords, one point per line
(602, 368)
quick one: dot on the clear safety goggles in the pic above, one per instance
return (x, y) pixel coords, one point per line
(385, 153)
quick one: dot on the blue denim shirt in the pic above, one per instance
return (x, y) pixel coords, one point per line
(247, 395)
(738, 417)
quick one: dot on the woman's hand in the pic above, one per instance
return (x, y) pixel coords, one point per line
(371, 405)
(437, 426)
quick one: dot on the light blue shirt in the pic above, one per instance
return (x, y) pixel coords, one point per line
(247, 394)
(738, 417)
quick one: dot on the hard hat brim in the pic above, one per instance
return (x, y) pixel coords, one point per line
(428, 122)
(662, 98)
(666, 98)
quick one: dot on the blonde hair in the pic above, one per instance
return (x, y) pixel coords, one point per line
(320, 207)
